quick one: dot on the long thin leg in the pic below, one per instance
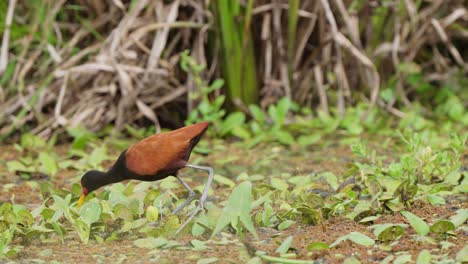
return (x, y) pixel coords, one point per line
(204, 195)
(190, 197)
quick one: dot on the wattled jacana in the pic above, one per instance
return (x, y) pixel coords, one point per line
(155, 158)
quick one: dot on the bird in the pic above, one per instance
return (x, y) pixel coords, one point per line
(155, 158)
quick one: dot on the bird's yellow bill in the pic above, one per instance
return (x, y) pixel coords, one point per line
(81, 200)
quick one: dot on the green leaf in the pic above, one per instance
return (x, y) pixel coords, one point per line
(417, 223)
(122, 211)
(279, 184)
(281, 112)
(150, 196)
(424, 257)
(284, 247)
(307, 140)
(361, 239)
(152, 214)
(48, 164)
(207, 260)
(132, 225)
(32, 142)
(90, 212)
(436, 200)
(236, 119)
(351, 260)
(402, 259)
(460, 218)
(388, 232)
(237, 208)
(83, 230)
(224, 180)
(317, 246)
(285, 224)
(97, 156)
(151, 242)
(355, 237)
(462, 255)
(284, 137)
(198, 245)
(240, 132)
(257, 113)
(442, 227)
(15, 165)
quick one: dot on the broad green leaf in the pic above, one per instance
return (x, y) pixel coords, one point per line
(389, 232)
(31, 141)
(232, 120)
(257, 113)
(351, 260)
(150, 196)
(23, 216)
(90, 212)
(279, 184)
(462, 255)
(97, 156)
(237, 208)
(132, 225)
(198, 245)
(150, 242)
(224, 180)
(281, 112)
(207, 260)
(241, 132)
(460, 217)
(15, 165)
(152, 214)
(361, 239)
(424, 257)
(402, 259)
(284, 137)
(307, 140)
(435, 199)
(417, 223)
(285, 224)
(122, 211)
(317, 246)
(284, 247)
(83, 230)
(355, 237)
(442, 227)
(48, 163)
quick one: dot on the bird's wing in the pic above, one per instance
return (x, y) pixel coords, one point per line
(156, 153)
(164, 151)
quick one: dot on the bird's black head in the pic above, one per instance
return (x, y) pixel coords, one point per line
(91, 181)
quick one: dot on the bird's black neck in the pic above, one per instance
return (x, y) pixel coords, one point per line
(117, 173)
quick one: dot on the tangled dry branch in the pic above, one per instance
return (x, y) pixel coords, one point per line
(122, 66)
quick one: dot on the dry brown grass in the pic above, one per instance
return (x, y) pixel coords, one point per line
(131, 72)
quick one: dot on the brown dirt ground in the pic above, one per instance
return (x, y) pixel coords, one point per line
(332, 158)
(337, 227)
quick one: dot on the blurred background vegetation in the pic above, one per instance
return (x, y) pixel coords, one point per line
(116, 63)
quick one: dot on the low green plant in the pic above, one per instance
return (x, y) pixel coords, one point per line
(38, 157)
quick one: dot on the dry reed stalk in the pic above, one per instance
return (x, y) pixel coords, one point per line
(123, 66)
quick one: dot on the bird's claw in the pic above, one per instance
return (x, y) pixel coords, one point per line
(191, 215)
(197, 209)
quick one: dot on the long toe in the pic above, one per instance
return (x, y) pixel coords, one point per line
(191, 215)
